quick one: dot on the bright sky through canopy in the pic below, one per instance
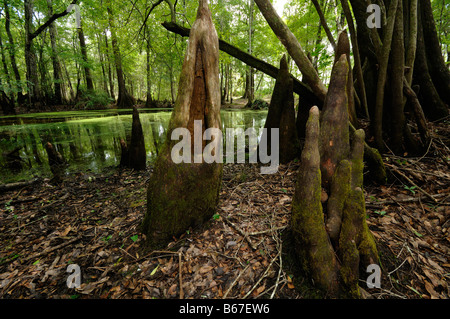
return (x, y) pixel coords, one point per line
(279, 6)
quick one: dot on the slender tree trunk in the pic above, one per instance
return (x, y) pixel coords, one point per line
(438, 70)
(86, 68)
(357, 57)
(412, 40)
(57, 76)
(124, 98)
(102, 62)
(397, 116)
(110, 76)
(12, 53)
(377, 125)
(149, 100)
(324, 24)
(69, 82)
(43, 71)
(251, 71)
(34, 87)
(431, 102)
(293, 47)
(8, 78)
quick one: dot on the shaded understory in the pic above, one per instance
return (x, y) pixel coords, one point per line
(93, 220)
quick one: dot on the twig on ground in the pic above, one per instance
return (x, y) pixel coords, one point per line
(179, 275)
(51, 249)
(234, 282)
(262, 277)
(240, 231)
(414, 184)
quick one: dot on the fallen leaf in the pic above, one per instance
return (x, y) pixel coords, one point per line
(430, 289)
(172, 290)
(205, 269)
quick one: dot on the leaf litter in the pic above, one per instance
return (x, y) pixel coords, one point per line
(92, 220)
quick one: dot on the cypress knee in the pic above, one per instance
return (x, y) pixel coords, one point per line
(181, 195)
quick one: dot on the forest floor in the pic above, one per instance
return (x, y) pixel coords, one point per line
(92, 220)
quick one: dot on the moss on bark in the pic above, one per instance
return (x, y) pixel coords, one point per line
(312, 244)
(179, 196)
(186, 194)
(327, 151)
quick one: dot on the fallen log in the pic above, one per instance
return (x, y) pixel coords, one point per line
(299, 87)
(12, 186)
(371, 155)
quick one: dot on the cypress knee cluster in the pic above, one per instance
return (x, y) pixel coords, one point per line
(332, 239)
(186, 194)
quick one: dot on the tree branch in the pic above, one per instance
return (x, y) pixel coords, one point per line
(324, 23)
(291, 43)
(50, 21)
(356, 55)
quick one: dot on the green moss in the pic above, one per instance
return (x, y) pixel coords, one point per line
(357, 248)
(311, 240)
(340, 187)
(348, 252)
(179, 196)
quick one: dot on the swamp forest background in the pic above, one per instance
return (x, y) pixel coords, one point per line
(90, 91)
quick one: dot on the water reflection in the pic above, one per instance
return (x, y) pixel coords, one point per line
(89, 140)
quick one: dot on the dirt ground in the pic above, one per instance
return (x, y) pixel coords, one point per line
(92, 220)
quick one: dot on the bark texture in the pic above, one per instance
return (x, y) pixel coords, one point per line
(331, 238)
(134, 155)
(56, 162)
(281, 115)
(186, 194)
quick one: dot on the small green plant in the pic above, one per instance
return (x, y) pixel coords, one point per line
(411, 188)
(134, 238)
(381, 213)
(92, 100)
(107, 238)
(216, 216)
(401, 161)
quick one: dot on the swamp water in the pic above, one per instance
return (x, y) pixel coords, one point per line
(89, 140)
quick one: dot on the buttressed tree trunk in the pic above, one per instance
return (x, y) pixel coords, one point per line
(332, 240)
(186, 194)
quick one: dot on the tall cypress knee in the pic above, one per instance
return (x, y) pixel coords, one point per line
(136, 150)
(281, 114)
(186, 194)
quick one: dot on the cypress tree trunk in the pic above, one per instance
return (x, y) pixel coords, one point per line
(438, 70)
(186, 194)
